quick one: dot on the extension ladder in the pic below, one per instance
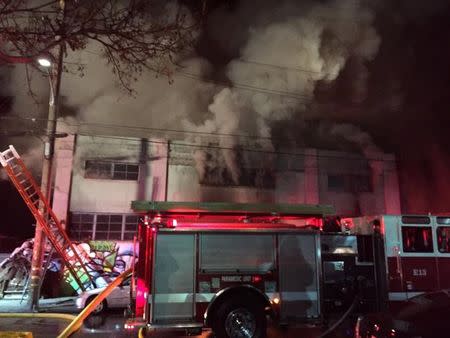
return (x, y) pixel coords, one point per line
(41, 210)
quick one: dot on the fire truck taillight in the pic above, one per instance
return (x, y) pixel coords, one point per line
(256, 279)
(141, 297)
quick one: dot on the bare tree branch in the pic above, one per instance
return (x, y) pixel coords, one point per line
(134, 34)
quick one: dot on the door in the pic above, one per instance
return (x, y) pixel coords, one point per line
(173, 292)
(443, 251)
(418, 256)
(298, 264)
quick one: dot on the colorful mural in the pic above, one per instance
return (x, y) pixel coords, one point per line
(104, 260)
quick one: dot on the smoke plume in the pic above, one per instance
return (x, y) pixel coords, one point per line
(280, 58)
(281, 62)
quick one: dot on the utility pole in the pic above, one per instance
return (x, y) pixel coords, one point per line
(54, 75)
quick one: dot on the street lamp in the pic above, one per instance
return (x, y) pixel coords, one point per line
(54, 70)
(44, 62)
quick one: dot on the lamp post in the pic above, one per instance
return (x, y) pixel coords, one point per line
(54, 71)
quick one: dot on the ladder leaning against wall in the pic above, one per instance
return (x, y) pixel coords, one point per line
(41, 210)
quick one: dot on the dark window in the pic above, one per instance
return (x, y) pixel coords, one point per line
(81, 227)
(96, 169)
(336, 182)
(128, 172)
(131, 224)
(360, 183)
(443, 220)
(349, 183)
(110, 170)
(443, 239)
(248, 177)
(415, 220)
(107, 226)
(417, 239)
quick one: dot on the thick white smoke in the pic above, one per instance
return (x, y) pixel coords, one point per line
(281, 62)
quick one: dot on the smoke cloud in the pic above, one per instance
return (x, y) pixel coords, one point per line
(280, 58)
(282, 61)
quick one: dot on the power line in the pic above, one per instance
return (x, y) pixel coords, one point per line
(297, 69)
(217, 147)
(149, 129)
(208, 146)
(244, 86)
(121, 126)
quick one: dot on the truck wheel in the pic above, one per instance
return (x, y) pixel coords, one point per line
(240, 318)
(100, 307)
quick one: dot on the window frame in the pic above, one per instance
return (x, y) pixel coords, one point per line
(421, 252)
(114, 172)
(438, 228)
(101, 224)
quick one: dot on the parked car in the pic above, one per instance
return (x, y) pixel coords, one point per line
(118, 298)
(424, 316)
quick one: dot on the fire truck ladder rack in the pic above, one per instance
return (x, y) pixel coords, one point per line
(41, 210)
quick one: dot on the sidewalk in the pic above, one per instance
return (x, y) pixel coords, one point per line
(62, 304)
(39, 327)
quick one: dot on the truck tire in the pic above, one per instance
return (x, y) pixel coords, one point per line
(240, 318)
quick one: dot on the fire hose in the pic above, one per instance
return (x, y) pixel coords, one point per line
(357, 284)
(343, 317)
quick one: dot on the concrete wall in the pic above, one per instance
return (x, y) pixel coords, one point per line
(115, 196)
(297, 178)
(63, 162)
(353, 201)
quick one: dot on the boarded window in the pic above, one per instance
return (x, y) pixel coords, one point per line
(417, 239)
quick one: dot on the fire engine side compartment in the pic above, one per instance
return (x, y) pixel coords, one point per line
(193, 266)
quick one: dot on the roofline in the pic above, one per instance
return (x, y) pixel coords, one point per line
(233, 208)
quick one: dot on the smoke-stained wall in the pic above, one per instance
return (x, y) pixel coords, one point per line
(103, 194)
(349, 183)
(310, 176)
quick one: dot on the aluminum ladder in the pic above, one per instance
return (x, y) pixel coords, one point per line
(41, 210)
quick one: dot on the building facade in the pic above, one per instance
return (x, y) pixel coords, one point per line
(97, 177)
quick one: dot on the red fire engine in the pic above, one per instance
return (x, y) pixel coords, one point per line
(417, 250)
(227, 266)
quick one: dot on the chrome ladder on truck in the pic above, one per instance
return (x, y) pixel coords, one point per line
(41, 210)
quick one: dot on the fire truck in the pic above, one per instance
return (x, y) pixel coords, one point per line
(230, 266)
(417, 252)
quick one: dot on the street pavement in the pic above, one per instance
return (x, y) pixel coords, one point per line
(111, 325)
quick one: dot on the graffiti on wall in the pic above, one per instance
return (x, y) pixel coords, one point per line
(104, 260)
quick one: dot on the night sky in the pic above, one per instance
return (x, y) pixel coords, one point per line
(403, 104)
